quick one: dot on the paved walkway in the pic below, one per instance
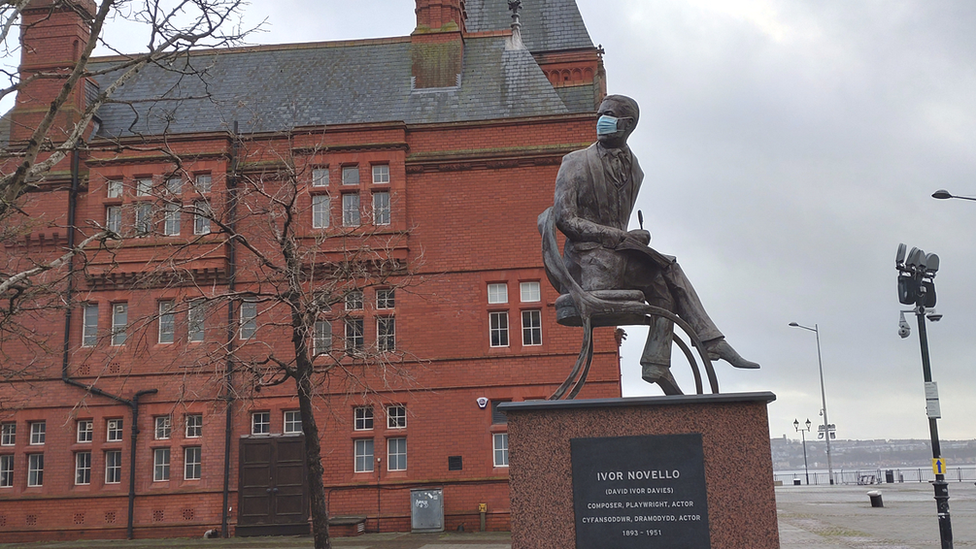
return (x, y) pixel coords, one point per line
(810, 517)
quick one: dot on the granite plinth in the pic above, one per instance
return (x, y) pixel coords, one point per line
(735, 441)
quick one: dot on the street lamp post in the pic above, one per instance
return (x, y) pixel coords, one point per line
(827, 428)
(916, 286)
(803, 432)
(943, 194)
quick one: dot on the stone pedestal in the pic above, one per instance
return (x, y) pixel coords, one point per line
(729, 436)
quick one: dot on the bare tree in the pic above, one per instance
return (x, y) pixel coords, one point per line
(33, 282)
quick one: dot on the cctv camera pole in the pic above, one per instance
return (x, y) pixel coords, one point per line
(916, 285)
(940, 485)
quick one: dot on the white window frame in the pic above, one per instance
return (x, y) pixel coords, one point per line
(320, 177)
(114, 430)
(396, 454)
(144, 219)
(363, 416)
(351, 210)
(196, 320)
(261, 423)
(201, 217)
(355, 334)
(382, 212)
(354, 300)
(167, 322)
(6, 470)
(363, 455)
(8, 434)
(203, 183)
(194, 425)
(498, 335)
(113, 218)
(114, 188)
(85, 431)
(192, 463)
(89, 325)
(163, 429)
(499, 449)
(530, 292)
(292, 422)
(171, 219)
(347, 175)
(144, 186)
(531, 330)
(321, 337)
(83, 467)
(321, 203)
(174, 185)
(248, 319)
(497, 293)
(386, 299)
(381, 174)
(35, 470)
(38, 433)
(120, 321)
(113, 466)
(161, 463)
(386, 333)
(396, 416)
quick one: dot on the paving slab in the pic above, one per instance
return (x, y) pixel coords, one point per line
(810, 517)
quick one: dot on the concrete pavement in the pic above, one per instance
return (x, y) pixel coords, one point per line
(814, 517)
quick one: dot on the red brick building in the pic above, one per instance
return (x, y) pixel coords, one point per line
(442, 146)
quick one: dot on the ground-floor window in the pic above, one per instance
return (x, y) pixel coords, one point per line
(35, 470)
(500, 448)
(396, 455)
(160, 464)
(192, 463)
(364, 455)
(83, 468)
(113, 466)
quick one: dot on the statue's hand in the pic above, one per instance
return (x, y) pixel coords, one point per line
(640, 235)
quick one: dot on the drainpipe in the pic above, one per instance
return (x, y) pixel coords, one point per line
(231, 331)
(66, 349)
(134, 404)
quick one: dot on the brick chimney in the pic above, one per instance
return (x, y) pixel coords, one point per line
(438, 43)
(53, 35)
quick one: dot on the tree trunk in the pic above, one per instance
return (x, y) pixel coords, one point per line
(320, 512)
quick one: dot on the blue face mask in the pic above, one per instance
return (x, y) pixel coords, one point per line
(606, 125)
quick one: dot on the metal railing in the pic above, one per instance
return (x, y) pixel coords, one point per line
(878, 476)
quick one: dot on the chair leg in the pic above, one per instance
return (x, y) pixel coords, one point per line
(583, 361)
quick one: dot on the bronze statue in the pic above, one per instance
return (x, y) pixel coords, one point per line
(596, 190)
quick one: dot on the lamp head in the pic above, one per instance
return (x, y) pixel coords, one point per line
(941, 194)
(796, 424)
(808, 424)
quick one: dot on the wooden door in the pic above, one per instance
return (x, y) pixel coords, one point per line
(273, 498)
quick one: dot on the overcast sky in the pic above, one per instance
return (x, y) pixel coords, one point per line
(788, 146)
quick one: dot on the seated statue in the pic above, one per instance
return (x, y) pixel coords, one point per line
(596, 190)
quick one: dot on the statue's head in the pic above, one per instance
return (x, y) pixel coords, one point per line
(618, 115)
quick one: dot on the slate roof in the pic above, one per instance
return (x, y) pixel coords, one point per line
(272, 88)
(547, 25)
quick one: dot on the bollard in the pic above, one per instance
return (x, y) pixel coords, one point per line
(876, 500)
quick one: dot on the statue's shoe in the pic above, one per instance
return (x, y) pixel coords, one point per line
(720, 349)
(653, 373)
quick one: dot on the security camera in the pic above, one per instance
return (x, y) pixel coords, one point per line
(904, 330)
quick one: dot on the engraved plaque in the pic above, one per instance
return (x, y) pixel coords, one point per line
(640, 492)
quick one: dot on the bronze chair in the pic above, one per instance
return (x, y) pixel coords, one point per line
(593, 309)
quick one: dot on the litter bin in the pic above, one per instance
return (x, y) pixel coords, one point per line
(796, 482)
(890, 476)
(876, 500)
